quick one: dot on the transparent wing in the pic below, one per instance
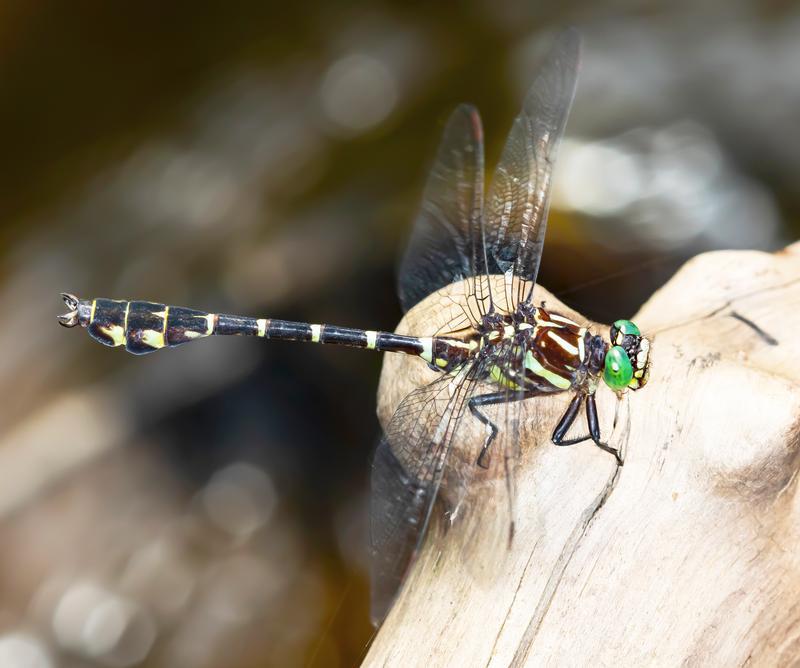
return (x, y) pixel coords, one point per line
(433, 441)
(516, 213)
(406, 474)
(486, 508)
(393, 533)
(443, 247)
(484, 501)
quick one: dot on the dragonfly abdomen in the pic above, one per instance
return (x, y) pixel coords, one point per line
(144, 327)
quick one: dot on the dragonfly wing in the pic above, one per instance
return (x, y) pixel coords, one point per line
(519, 197)
(393, 535)
(486, 509)
(442, 248)
(406, 474)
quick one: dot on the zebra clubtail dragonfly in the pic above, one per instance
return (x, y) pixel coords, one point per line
(500, 350)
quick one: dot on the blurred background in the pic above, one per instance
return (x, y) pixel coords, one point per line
(206, 506)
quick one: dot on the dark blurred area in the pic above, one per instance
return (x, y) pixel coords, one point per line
(206, 506)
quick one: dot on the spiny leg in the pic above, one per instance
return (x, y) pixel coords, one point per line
(489, 400)
(594, 426)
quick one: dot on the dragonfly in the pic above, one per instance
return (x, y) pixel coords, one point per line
(501, 349)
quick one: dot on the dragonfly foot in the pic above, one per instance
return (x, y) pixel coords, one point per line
(612, 451)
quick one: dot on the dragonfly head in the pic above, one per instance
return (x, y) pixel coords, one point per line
(627, 362)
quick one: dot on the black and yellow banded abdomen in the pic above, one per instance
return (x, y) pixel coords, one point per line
(143, 327)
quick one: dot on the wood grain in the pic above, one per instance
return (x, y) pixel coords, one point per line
(687, 555)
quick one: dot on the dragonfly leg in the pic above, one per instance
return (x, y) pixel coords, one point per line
(594, 426)
(566, 422)
(594, 429)
(488, 400)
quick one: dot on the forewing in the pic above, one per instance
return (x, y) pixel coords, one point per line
(406, 474)
(443, 245)
(518, 201)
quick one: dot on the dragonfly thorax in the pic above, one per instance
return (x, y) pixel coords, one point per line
(534, 349)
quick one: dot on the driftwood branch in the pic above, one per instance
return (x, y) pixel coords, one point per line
(687, 555)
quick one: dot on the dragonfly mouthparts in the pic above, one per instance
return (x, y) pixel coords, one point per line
(69, 319)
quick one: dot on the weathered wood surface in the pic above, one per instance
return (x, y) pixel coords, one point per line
(687, 555)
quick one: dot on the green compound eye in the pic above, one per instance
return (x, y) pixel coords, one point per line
(627, 327)
(622, 328)
(618, 372)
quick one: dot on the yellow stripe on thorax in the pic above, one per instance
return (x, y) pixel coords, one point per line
(533, 365)
(562, 343)
(497, 375)
(560, 318)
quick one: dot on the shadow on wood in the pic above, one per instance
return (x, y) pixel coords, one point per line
(687, 554)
